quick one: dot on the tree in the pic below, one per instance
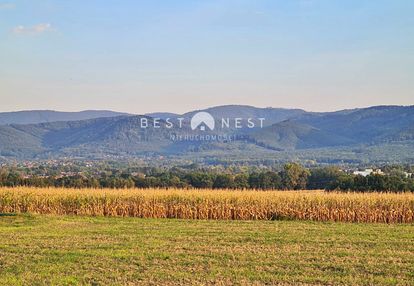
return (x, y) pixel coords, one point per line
(270, 181)
(343, 182)
(223, 181)
(321, 178)
(294, 176)
(360, 183)
(241, 181)
(200, 180)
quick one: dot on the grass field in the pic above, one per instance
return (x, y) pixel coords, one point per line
(212, 204)
(127, 237)
(72, 250)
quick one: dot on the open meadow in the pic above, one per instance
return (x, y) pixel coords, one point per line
(83, 250)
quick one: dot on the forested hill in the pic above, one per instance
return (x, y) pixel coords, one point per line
(384, 133)
(41, 116)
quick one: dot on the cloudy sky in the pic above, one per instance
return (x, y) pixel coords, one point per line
(145, 56)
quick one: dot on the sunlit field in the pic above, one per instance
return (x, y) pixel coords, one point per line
(84, 250)
(212, 204)
(57, 236)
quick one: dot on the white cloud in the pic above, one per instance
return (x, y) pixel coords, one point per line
(32, 30)
(6, 6)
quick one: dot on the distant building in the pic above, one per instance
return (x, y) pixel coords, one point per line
(408, 175)
(367, 172)
(378, 172)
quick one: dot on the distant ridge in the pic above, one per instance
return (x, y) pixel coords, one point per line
(42, 116)
(356, 135)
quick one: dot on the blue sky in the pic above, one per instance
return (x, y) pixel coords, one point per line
(145, 56)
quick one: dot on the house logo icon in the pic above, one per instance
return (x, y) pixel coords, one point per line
(201, 120)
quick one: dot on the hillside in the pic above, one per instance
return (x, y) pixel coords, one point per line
(272, 115)
(288, 134)
(373, 124)
(40, 116)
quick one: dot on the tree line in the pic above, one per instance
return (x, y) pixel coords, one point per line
(292, 176)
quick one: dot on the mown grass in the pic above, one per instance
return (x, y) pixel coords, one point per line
(73, 250)
(212, 204)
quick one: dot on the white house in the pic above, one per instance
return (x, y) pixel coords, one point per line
(367, 172)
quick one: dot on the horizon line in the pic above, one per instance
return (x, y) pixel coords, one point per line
(200, 109)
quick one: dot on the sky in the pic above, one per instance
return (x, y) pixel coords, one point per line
(147, 56)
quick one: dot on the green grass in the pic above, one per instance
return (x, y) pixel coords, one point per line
(68, 250)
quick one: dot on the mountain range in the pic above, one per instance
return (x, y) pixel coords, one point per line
(41, 116)
(378, 133)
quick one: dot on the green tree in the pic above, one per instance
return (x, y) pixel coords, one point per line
(241, 181)
(200, 180)
(223, 181)
(322, 178)
(294, 176)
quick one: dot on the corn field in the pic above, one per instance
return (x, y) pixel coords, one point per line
(212, 204)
